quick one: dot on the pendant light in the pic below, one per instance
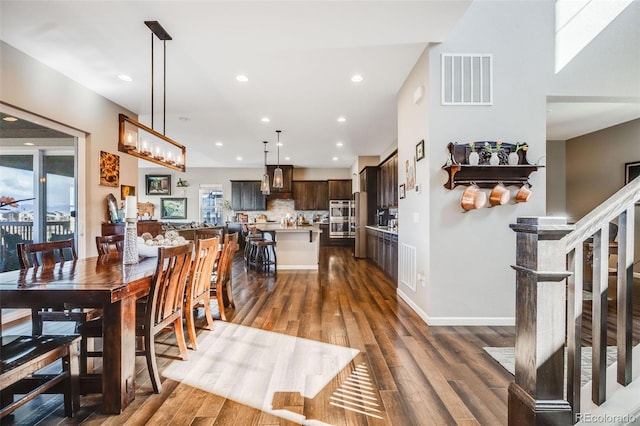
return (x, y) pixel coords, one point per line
(264, 187)
(277, 173)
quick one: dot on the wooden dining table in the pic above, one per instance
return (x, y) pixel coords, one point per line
(95, 282)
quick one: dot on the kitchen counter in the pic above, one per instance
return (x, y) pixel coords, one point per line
(383, 229)
(297, 247)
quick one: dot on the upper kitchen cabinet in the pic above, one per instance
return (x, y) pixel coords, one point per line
(388, 182)
(339, 189)
(287, 176)
(369, 185)
(246, 195)
(311, 195)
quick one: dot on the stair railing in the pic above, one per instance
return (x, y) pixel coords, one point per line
(549, 297)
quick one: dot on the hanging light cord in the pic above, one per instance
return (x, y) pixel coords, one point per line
(278, 145)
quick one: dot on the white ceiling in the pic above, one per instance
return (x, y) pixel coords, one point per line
(570, 119)
(299, 57)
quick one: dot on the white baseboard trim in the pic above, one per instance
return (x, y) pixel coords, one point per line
(292, 267)
(451, 321)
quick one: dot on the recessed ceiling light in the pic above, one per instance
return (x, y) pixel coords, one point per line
(279, 144)
(125, 77)
(357, 78)
(341, 119)
(219, 144)
(287, 158)
(29, 143)
(242, 78)
(184, 119)
(8, 118)
(265, 119)
(339, 144)
(239, 158)
(335, 158)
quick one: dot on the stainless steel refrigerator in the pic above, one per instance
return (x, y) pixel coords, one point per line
(360, 221)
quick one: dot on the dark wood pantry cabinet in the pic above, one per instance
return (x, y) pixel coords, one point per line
(246, 196)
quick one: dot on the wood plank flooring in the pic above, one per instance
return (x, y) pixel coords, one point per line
(420, 375)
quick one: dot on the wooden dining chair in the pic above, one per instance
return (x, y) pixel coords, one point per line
(201, 233)
(107, 244)
(46, 256)
(221, 283)
(199, 284)
(164, 308)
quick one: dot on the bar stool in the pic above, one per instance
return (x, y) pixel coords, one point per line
(250, 251)
(265, 255)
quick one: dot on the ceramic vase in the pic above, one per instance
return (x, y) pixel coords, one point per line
(513, 159)
(494, 160)
(474, 158)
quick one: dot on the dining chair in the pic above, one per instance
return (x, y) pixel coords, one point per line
(221, 281)
(200, 233)
(199, 284)
(107, 244)
(164, 308)
(47, 255)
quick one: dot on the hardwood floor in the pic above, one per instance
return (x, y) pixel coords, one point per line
(419, 375)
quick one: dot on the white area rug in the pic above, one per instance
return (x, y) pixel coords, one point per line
(506, 358)
(248, 365)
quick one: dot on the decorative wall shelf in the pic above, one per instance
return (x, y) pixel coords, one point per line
(484, 174)
(143, 142)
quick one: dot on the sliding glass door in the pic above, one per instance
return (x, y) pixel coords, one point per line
(38, 172)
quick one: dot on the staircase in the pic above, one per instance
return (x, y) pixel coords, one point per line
(550, 279)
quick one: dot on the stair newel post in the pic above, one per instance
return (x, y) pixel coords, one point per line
(537, 395)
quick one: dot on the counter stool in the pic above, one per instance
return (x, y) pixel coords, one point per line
(250, 234)
(265, 255)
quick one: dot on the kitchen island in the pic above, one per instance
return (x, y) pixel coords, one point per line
(297, 247)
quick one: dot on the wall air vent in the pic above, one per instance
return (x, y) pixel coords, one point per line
(467, 79)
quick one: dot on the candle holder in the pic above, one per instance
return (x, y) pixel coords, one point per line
(130, 254)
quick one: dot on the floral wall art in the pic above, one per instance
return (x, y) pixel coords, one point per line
(109, 169)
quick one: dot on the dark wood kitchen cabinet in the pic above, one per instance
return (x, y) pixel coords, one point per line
(382, 250)
(310, 195)
(339, 189)
(369, 185)
(388, 182)
(246, 196)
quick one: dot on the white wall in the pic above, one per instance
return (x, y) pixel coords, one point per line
(32, 86)
(413, 211)
(467, 256)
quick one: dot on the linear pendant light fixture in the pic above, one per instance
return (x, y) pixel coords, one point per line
(145, 142)
(277, 173)
(264, 186)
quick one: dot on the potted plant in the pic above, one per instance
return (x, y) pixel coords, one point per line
(226, 207)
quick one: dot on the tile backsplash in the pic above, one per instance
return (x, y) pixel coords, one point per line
(277, 209)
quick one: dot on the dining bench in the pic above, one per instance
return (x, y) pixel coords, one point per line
(22, 357)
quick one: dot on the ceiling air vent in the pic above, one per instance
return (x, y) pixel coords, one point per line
(467, 79)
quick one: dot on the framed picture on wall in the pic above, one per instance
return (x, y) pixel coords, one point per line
(173, 208)
(420, 150)
(158, 184)
(126, 190)
(109, 169)
(631, 171)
